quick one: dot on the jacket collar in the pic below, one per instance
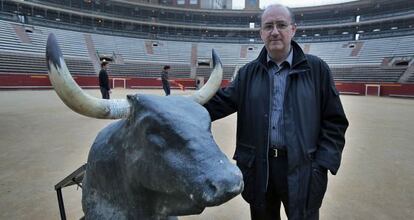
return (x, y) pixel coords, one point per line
(289, 59)
(299, 59)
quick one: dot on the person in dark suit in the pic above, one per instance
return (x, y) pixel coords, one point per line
(290, 123)
(164, 79)
(104, 80)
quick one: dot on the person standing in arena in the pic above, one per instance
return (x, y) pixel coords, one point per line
(104, 80)
(164, 79)
(290, 123)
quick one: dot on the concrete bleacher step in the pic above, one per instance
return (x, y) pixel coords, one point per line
(194, 49)
(357, 48)
(21, 33)
(24, 63)
(92, 52)
(407, 75)
(148, 47)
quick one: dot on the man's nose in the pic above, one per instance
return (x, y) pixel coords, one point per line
(274, 31)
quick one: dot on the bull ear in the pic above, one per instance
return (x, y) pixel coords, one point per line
(131, 98)
(213, 84)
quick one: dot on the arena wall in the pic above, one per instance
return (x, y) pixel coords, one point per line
(33, 81)
(38, 81)
(385, 89)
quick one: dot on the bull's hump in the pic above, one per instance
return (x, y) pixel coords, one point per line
(177, 108)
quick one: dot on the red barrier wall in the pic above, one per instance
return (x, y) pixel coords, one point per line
(386, 89)
(32, 81)
(352, 88)
(40, 81)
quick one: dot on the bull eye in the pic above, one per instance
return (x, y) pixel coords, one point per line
(157, 140)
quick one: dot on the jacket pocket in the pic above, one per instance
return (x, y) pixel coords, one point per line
(245, 158)
(244, 155)
(317, 187)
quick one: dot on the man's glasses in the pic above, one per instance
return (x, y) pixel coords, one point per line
(280, 26)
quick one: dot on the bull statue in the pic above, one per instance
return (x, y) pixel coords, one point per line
(159, 161)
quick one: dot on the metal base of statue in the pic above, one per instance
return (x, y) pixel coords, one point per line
(74, 178)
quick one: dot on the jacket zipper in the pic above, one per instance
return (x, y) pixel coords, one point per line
(288, 82)
(269, 127)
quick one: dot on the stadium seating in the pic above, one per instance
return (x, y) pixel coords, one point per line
(368, 74)
(28, 57)
(30, 63)
(354, 61)
(149, 70)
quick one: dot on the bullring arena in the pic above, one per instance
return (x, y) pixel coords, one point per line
(367, 44)
(43, 141)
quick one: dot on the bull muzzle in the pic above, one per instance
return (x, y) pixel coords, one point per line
(220, 187)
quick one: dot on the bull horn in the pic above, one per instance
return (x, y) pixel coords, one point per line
(72, 95)
(213, 84)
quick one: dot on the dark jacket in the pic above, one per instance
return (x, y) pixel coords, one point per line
(164, 77)
(315, 126)
(103, 79)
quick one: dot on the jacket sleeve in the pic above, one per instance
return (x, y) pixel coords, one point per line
(225, 102)
(333, 125)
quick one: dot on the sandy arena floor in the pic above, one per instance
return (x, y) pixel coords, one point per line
(42, 141)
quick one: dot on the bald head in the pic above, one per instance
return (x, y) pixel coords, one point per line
(272, 6)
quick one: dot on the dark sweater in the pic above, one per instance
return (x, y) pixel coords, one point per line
(103, 79)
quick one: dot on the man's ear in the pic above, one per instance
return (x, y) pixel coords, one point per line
(261, 36)
(293, 30)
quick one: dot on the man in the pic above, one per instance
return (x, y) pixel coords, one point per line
(164, 79)
(104, 81)
(290, 123)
